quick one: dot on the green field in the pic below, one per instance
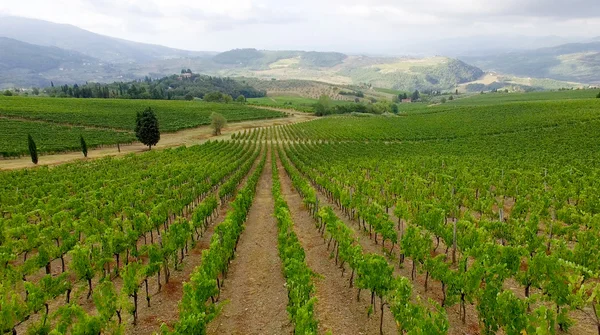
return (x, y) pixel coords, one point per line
(295, 102)
(482, 216)
(500, 97)
(51, 138)
(447, 121)
(59, 122)
(120, 114)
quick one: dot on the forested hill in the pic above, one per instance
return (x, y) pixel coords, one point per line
(186, 85)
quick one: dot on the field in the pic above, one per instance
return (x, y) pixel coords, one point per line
(463, 218)
(59, 122)
(294, 102)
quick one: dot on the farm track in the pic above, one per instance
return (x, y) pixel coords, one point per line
(185, 137)
(164, 303)
(337, 309)
(255, 287)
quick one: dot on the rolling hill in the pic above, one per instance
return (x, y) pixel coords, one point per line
(69, 37)
(577, 62)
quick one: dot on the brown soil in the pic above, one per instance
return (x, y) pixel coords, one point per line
(167, 140)
(254, 295)
(337, 309)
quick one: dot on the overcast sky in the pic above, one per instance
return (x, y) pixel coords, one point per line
(337, 25)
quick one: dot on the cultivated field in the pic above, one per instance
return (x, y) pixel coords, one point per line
(471, 217)
(58, 123)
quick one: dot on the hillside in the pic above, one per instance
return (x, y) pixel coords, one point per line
(578, 62)
(69, 37)
(24, 64)
(403, 73)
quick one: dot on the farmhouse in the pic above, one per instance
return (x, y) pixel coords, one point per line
(409, 100)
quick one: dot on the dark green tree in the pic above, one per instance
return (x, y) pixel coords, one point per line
(240, 99)
(32, 149)
(323, 105)
(416, 95)
(598, 96)
(146, 128)
(394, 108)
(451, 98)
(8, 93)
(189, 97)
(83, 146)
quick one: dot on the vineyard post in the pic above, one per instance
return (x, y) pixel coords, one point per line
(454, 242)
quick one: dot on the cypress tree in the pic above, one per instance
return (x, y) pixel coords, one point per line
(83, 146)
(146, 128)
(32, 149)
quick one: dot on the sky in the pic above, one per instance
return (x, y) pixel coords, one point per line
(373, 26)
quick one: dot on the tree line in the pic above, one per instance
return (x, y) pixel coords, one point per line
(176, 87)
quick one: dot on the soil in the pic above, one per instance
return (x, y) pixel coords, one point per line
(254, 296)
(337, 308)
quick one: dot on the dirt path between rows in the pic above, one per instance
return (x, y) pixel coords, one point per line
(186, 137)
(254, 291)
(337, 309)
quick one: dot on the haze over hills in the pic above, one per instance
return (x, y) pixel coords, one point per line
(579, 62)
(35, 52)
(69, 37)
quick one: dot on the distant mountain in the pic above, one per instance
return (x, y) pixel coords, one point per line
(577, 62)
(69, 37)
(25, 65)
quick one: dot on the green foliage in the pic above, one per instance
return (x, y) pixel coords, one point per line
(240, 99)
(322, 106)
(298, 275)
(8, 93)
(84, 148)
(120, 114)
(218, 122)
(32, 149)
(52, 138)
(147, 129)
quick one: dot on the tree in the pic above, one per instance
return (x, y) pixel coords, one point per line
(227, 98)
(416, 95)
(443, 100)
(146, 129)
(241, 99)
(451, 98)
(189, 97)
(213, 97)
(217, 122)
(598, 96)
(32, 149)
(83, 146)
(394, 108)
(8, 93)
(35, 91)
(322, 106)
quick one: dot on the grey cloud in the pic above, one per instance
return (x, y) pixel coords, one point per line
(255, 16)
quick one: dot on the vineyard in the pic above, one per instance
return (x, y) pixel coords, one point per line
(452, 220)
(57, 124)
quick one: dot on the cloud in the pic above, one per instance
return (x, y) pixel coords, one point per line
(343, 25)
